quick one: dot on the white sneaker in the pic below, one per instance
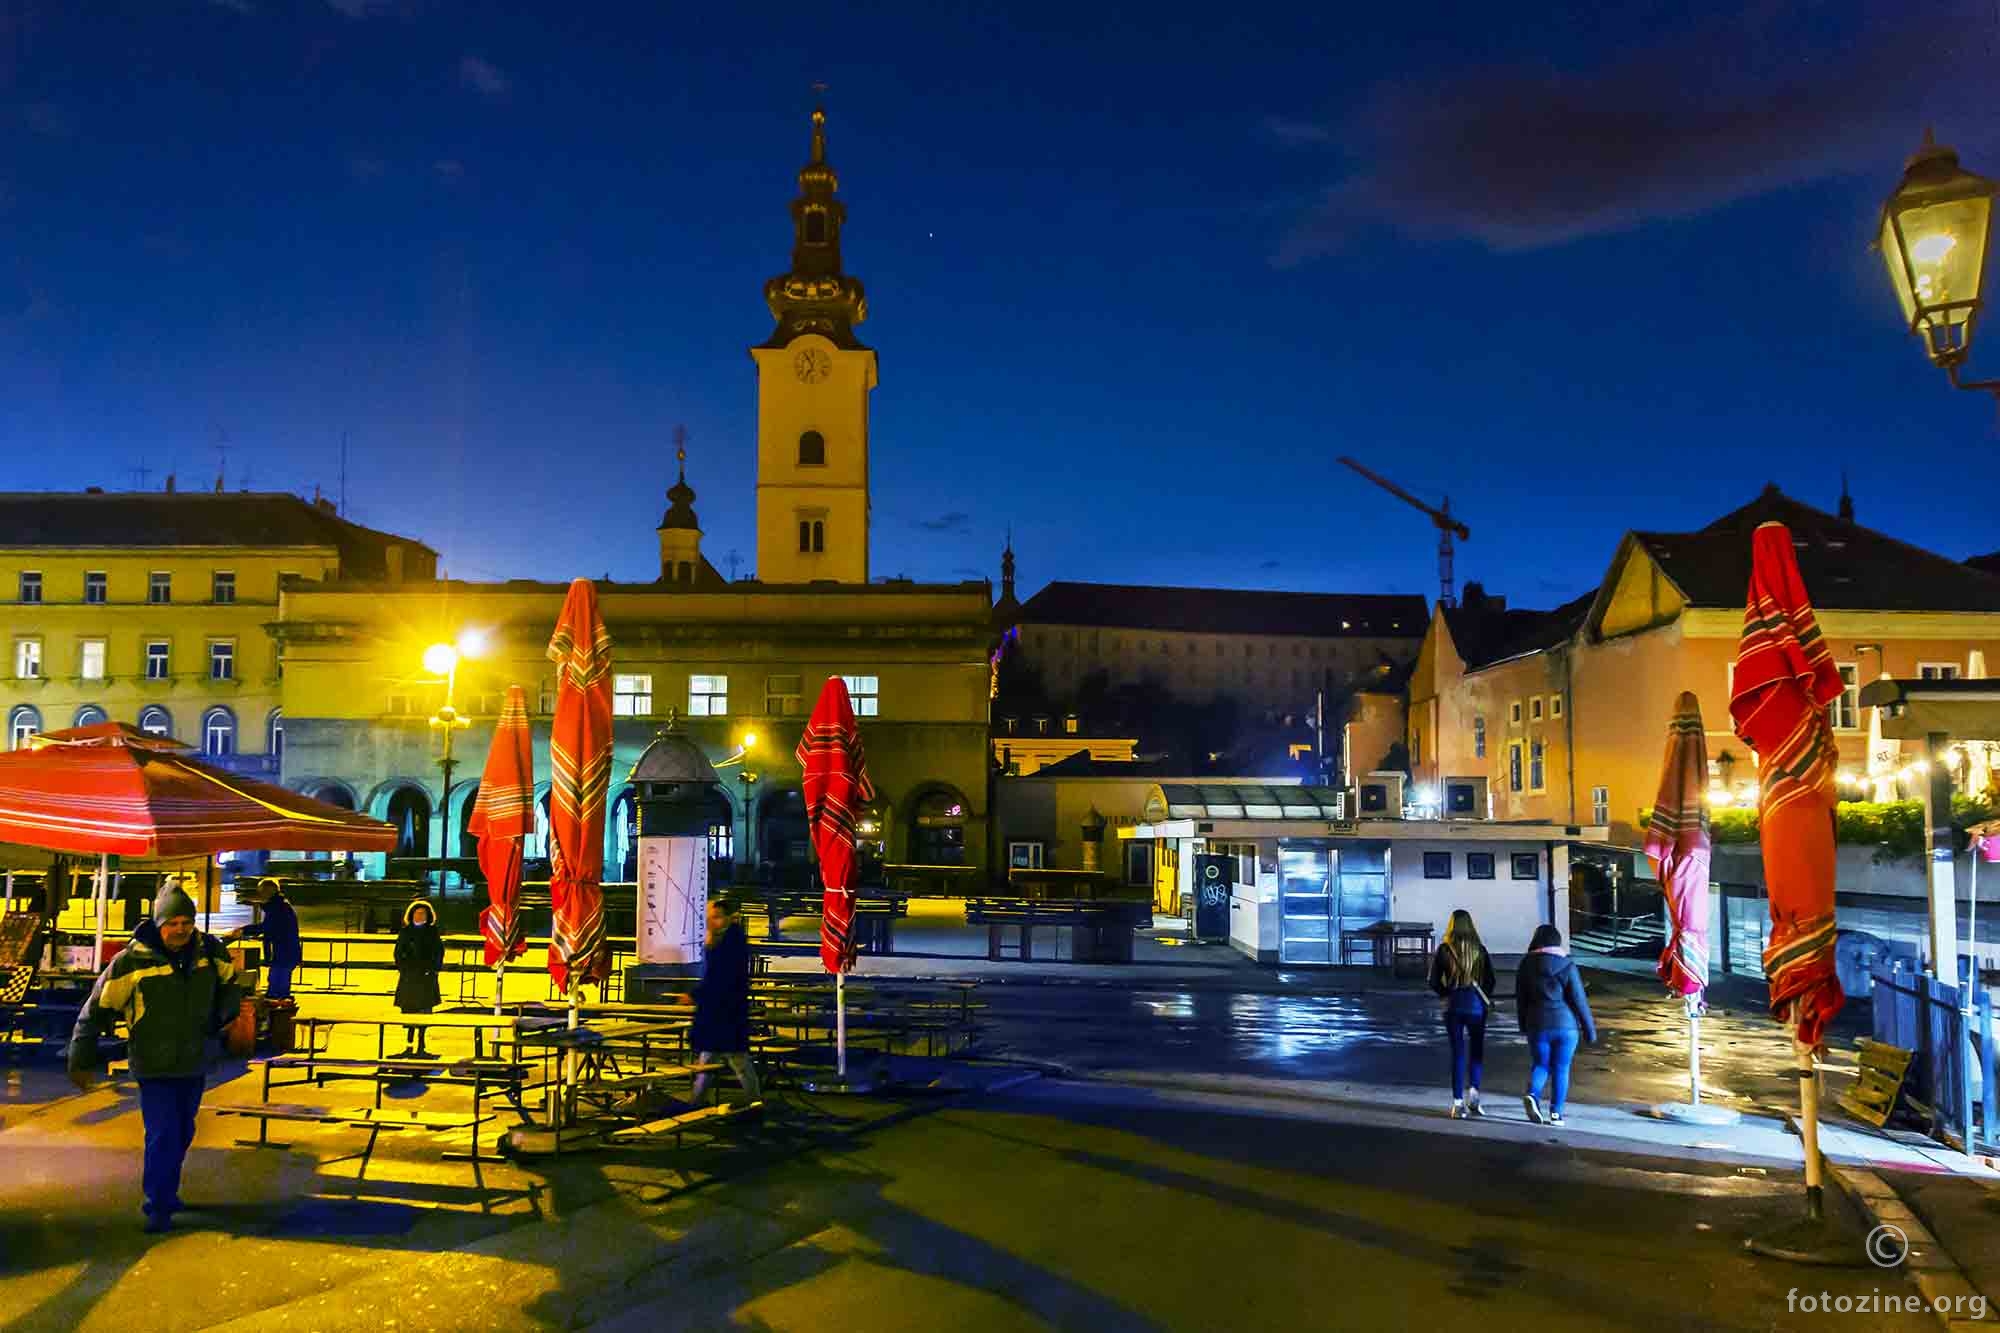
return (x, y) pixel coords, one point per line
(1472, 1111)
(1532, 1107)
(1556, 1119)
(1458, 1109)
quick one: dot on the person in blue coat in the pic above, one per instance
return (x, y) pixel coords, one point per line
(1555, 1015)
(1462, 976)
(721, 1027)
(279, 929)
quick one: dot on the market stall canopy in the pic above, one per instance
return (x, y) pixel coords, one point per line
(98, 790)
(1176, 800)
(1965, 710)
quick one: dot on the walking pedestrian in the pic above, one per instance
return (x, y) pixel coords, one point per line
(279, 929)
(1554, 1015)
(419, 959)
(174, 988)
(722, 1001)
(1462, 975)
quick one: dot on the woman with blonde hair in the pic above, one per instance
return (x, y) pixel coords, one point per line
(1462, 976)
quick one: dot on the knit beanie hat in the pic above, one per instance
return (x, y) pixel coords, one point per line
(171, 903)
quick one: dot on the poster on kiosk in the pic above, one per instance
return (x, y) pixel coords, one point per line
(673, 900)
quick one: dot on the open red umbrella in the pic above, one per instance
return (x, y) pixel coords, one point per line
(836, 788)
(1785, 677)
(579, 780)
(502, 818)
(1677, 845)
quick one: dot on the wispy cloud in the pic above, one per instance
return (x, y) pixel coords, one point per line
(951, 522)
(449, 170)
(368, 9)
(235, 6)
(1729, 108)
(1285, 130)
(1268, 565)
(483, 76)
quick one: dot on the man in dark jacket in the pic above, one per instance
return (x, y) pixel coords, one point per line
(174, 988)
(279, 930)
(1554, 1015)
(722, 1001)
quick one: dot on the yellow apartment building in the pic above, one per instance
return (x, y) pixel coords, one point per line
(1565, 712)
(153, 608)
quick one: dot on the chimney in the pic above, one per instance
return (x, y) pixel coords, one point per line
(1846, 500)
(170, 483)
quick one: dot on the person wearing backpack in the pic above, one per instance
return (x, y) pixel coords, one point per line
(1462, 976)
(1554, 1017)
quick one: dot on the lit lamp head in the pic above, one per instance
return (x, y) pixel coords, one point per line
(440, 659)
(1933, 238)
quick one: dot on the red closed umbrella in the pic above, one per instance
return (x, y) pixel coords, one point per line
(1677, 844)
(579, 780)
(836, 789)
(502, 818)
(1785, 677)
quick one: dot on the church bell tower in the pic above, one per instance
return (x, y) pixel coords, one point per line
(813, 381)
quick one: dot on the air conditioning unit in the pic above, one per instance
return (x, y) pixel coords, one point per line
(1379, 796)
(1466, 798)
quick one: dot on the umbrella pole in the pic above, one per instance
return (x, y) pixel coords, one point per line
(499, 987)
(1694, 1053)
(840, 1023)
(1809, 1128)
(103, 892)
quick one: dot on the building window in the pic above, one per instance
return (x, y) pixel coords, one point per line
(90, 715)
(1600, 805)
(815, 226)
(1070, 724)
(1514, 712)
(1479, 865)
(1138, 862)
(225, 586)
(1527, 865)
(782, 695)
(159, 588)
(1555, 705)
(812, 536)
(221, 659)
(28, 659)
(90, 659)
(1535, 709)
(96, 587)
(156, 721)
(721, 840)
(218, 732)
(1025, 855)
(631, 696)
(157, 659)
(1535, 764)
(274, 735)
(31, 585)
(1479, 736)
(1514, 765)
(1925, 670)
(866, 692)
(1437, 865)
(24, 722)
(1845, 712)
(812, 449)
(401, 705)
(708, 696)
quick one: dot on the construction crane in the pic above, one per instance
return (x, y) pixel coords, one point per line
(1447, 526)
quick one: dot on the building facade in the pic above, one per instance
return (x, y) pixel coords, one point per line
(1565, 712)
(735, 665)
(153, 608)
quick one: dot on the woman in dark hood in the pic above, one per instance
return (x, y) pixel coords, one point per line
(1554, 1017)
(419, 959)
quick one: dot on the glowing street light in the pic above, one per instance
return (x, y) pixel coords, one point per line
(442, 659)
(1933, 237)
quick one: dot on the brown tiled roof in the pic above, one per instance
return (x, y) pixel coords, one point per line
(1846, 567)
(1485, 638)
(1228, 611)
(198, 518)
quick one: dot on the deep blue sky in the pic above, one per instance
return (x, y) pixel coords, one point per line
(1134, 281)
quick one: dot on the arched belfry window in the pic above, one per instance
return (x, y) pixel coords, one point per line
(812, 449)
(815, 226)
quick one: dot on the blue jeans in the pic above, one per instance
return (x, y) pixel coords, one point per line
(1468, 1050)
(279, 987)
(168, 1107)
(1552, 1051)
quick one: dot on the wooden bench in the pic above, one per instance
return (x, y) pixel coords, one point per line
(375, 1119)
(1882, 1069)
(500, 1076)
(1100, 929)
(701, 1118)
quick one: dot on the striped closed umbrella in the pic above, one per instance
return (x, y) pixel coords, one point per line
(1785, 677)
(1677, 844)
(836, 788)
(502, 818)
(579, 779)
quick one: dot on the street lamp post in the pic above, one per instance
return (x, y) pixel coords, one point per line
(740, 761)
(441, 659)
(1933, 237)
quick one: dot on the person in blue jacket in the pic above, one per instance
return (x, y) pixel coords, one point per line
(721, 1027)
(279, 929)
(1554, 1016)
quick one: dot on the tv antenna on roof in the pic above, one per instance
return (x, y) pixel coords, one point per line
(734, 558)
(141, 472)
(221, 458)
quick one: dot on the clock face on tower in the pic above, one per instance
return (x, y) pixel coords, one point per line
(812, 365)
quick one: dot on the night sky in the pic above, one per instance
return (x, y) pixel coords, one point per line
(1134, 282)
